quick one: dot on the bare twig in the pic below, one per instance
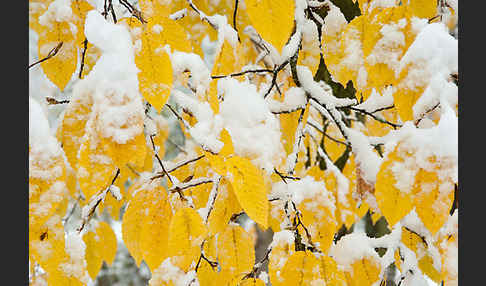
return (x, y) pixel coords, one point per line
(234, 20)
(83, 55)
(190, 184)
(257, 267)
(274, 79)
(426, 112)
(51, 53)
(178, 14)
(135, 13)
(325, 134)
(179, 165)
(379, 119)
(51, 101)
(160, 161)
(203, 16)
(89, 209)
(212, 197)
(242, 73)
(298, 138)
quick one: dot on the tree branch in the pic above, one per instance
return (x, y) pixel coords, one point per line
(51, 53)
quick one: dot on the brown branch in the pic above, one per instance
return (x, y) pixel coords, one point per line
(97, 200)
(394, 125)
(83, 55)
(327, 136)
(190, 184)
(135, 13)
(274, 79)
(179, 165)
(202, 15)
(51, 53)
(158, 159)
(51, 101)
(426, 112)
(234, 20)
(242, 73)
(258, 266)
(212, 198)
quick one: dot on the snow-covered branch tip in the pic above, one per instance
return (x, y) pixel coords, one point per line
(88, 210)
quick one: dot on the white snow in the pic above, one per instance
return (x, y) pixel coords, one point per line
(254, 130)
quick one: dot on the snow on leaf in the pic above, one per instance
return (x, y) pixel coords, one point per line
(393, 202)
(100, 246)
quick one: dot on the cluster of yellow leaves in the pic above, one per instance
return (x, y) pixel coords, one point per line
(368, 50)
(428, 192)
(183, 231)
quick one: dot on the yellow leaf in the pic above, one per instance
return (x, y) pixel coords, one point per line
(281, 251)
(186, 233)
(423, 8)
(165, 31)
(95, 169)
(155, 76)
(155, 230)
(218, 161)
(73, 123)
(318, 217)
(36, 9)
(225, 206)
(134, 220)
(301, 268)
(60, 67)
(236, 251)
(365, 272)
(248, 184)
(151, 8)
(393, 202)
(100, 246)
(426, 264)
(47, 186)
(272, 19)
(206, 274)
(133, 151)
(80, 8)
(330, 272)
(433, 199)
(252, 282)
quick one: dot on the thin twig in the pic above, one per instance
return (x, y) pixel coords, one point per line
(212, 197)
(51, 101)
(242, 73)
(158, 159)
(83, 55)
(51, 53)
(97, 200)
(426, 112)
(394, 125)
(179, 165)
(274, 79)
(135, 13)
(234, 20)
(327, 136)
(202, 15)
(190, 184)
